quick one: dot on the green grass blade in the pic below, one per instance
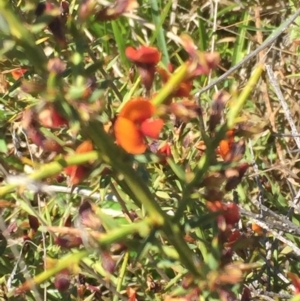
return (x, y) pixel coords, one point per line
(157, 19)
(241, 40)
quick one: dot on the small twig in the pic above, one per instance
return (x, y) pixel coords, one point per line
(277, 295)
(284, 135)
(278, 236)
(215, 18)
(272, 220)
(284, 105)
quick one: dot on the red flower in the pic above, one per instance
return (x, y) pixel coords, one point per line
(164, 152)
(165, 149)
(145, 58)
(230, 211)
(134, 123)
(16, 74)
(225, 145)
(78, 173)
(143, 55)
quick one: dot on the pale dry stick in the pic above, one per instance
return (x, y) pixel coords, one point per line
(269, 41)
(215, 13)
(75, 190)
(278, 296)
(174, 28)
(262, 297)
(133, 34)
(284, 135)
(278, 236)
(283, 103)
(276, 221)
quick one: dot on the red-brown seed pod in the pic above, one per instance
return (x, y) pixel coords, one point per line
(108, 262)
(62, 281)
(68, 241)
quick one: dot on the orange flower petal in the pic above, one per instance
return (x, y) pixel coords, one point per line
(69, 170)
(230, 135)
(215, 206)
(143, 55)
(152, 128)
(76, 173)
(18, 73)
(224, 148)
(257, 229)
(165, 149)
(129, 137)
(84, 147)
(137, 110)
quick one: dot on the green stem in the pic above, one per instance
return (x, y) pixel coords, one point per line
(51, 169)
(171, 85)
(242, 98)
(122, 275)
